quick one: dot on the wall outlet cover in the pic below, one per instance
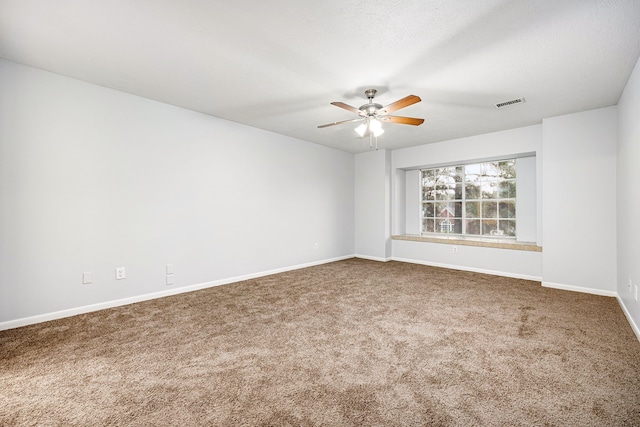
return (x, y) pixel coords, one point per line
(120, 273)
(87, 277)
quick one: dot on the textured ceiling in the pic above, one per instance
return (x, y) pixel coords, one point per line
(278, 64)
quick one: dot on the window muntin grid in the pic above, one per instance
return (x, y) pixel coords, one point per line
(476, 199)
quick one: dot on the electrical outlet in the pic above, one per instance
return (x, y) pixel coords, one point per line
(120, 273)
(316, 246)
(635, 293)
(169, 268)
(87, 278)
(455, 249)
(169, 279)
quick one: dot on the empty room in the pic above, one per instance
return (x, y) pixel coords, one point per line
(319, 213)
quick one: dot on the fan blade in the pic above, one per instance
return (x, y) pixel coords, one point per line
(346, 107)
(341, 122)
(401, 103)
(401, 120)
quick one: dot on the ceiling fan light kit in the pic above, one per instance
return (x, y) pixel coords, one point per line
(372, 115)
(360, 130)
(372, 125)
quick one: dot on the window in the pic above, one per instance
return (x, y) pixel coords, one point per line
(476, 199)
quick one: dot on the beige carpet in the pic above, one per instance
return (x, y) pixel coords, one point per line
(349, 343)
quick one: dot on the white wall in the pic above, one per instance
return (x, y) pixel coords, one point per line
(480, 147)
(373, 205)
(628, 200)
(527, 212)
(92, 179)
(510, 143)
(502, 262)
(413, 198)
(579, 201)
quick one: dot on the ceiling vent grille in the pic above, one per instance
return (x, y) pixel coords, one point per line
(504, 104)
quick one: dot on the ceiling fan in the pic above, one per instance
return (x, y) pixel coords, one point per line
(372, 115)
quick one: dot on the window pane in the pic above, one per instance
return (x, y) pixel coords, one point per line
(427, 225)
(490, 190)
(448, 225)
(472, 173)
(507, 169)
(449, 175)
(507, 189)
(444, 192)
(507, 209)
(428, 210)
(508, 228)
(490, 228)
(428, 193)
(459, 173)
(473, 226)
(489, 210)
(472, 210)
(441, 181)
(458, 192)
(446, 176)
(489, 171)
(428, 179)
(428, 182)
(472, 191)
(428, 173)
(445, 210)
(457, 209)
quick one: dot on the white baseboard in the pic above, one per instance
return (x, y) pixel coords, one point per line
(373, 258)
(600, 292)
(139, 298)
(634, 326)
(475, 270)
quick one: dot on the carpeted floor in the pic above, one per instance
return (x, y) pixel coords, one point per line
(351, 343)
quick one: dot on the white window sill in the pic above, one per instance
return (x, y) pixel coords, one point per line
(471, 241)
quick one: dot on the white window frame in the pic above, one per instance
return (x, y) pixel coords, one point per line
(463, 200)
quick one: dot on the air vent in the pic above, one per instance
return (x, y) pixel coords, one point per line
(504, 104)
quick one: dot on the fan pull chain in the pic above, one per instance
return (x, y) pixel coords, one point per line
(371, 141)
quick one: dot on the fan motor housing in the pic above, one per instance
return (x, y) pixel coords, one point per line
(369, 109)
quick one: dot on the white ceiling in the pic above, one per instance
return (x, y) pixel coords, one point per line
(278, 64)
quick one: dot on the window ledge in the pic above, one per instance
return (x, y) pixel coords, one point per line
(470, 241)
